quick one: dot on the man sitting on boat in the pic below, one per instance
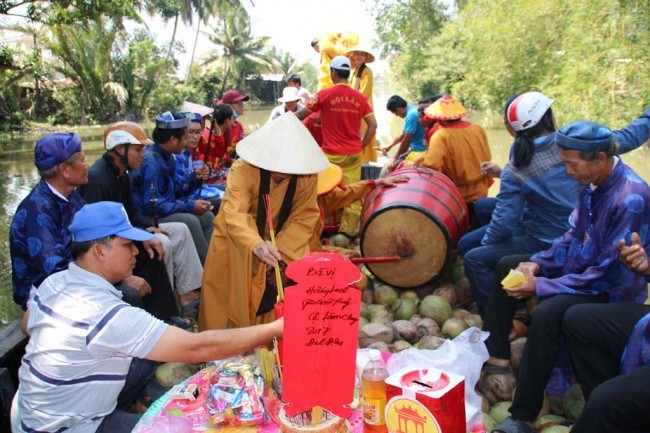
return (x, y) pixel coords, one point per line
(90, 354)
(580, 267)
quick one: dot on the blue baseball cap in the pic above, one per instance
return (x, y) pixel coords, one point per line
(584, 135)
(102, 219)
(55, 148)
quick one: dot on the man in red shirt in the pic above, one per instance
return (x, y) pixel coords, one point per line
(342, 109)
(236, 100)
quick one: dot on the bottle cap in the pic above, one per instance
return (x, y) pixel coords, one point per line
(375, 355)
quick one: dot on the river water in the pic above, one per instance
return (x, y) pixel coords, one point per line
(18, 174)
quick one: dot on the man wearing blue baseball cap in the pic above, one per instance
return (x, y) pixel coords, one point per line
(154, 188)
(580, 267)
(84, 379)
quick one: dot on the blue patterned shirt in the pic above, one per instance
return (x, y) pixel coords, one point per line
(158, 169)
(39, 240)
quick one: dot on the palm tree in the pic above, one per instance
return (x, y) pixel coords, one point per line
(85, 53)
(239, 51)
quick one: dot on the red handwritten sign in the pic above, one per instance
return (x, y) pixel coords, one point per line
(321, 325)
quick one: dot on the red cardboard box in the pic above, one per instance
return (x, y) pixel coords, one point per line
(425, 401)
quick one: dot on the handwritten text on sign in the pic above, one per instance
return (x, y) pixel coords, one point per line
(321, 325)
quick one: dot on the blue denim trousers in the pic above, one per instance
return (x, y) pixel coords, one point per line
(481, 262)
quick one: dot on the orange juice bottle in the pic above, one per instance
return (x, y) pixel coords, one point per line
(373, 388)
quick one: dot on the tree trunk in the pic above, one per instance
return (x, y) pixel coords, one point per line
(171, 43)
(189, 68)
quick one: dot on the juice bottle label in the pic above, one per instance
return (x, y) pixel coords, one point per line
(373, 411)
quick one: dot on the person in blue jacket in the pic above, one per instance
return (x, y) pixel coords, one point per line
(191, 172)
(614, 377)
(153, 183)
(39, 241)
(534, 202)
(581, 267)
(536, 195)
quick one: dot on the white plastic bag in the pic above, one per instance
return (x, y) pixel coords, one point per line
(463, 355)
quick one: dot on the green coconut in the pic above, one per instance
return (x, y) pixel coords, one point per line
(430, 342)
(453, 327)
(573, 402)
(410, 294)
(399, 345)
(447, 291)
(380, 346)
(488, 422)
(499, 411)
(404, 308)
(457, 271)
(461, 313)
(340, 240)
(382, 316)
(436, 308)
(474, 320)
(385, 294)
(547, 421)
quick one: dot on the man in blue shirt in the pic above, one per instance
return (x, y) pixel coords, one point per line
(412, 138)
(155, 180)
(580, 267)
(39, 241)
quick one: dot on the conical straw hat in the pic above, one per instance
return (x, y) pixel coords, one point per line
(283, 145)
(370, 57)
(445, 108)
(191, 107)
(329, 179)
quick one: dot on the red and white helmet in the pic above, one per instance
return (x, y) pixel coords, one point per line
(527, 110)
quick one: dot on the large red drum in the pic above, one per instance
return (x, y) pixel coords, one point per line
(420, 221)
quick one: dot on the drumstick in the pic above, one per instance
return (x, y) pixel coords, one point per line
(358, 260)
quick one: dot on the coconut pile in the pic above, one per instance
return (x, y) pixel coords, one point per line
(393, 320)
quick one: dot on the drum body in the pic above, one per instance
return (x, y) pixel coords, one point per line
(420, 221)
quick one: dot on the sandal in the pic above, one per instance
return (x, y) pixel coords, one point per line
(511, 425)
(191, 306)
(494, 369)
(185, 323)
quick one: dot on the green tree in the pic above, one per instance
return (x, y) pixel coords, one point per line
(239, 52)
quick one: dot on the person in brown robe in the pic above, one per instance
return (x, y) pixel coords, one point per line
(281, 159)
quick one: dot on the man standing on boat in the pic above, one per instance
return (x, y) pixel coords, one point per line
(104, 351)
(342, 111)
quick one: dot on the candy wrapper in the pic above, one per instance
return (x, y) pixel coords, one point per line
(236, 395)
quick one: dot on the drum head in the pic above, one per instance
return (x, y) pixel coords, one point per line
(410, 234)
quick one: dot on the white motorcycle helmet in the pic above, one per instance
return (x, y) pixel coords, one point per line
(527, 110)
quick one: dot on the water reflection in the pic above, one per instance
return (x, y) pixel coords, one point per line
(18, 174)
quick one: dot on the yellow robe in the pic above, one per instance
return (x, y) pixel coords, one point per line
(364, 85)
(234, 279)
(457, 151)
(334, 201)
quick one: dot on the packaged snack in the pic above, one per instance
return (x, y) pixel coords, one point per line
(235, 396)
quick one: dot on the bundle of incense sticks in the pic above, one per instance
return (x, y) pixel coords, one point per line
(269, 221)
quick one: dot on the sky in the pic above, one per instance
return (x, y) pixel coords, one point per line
(291, 24)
